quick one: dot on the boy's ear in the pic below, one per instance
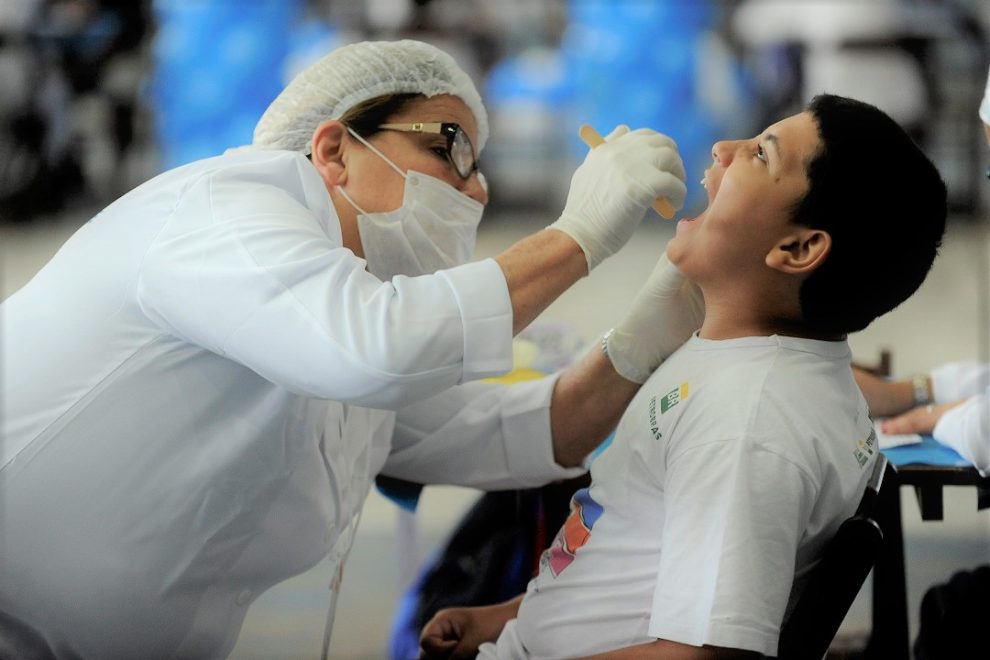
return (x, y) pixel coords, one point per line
(800, 252)
(328, 153)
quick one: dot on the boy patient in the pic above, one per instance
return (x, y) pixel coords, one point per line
(742, 454)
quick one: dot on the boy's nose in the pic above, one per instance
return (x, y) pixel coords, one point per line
(723, 151)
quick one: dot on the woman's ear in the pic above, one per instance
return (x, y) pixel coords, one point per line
(328, 153)
(800, 252)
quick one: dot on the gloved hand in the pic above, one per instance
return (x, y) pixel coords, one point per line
(614, 186)
(667, 309)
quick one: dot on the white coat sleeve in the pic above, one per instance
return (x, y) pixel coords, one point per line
(966, 428)
(959, 380)
(247, 269)
(486, 435)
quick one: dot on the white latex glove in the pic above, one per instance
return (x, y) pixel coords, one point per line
(611, 190)
(664, 314)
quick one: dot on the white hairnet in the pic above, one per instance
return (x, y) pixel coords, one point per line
(357, 72)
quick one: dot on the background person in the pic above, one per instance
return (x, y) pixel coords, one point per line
(952, 404)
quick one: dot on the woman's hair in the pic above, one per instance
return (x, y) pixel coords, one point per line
(365, 117)
(884, 205)
(351, 74)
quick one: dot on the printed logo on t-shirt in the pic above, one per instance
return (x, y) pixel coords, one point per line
(573, 534)
(865, 448)
(673, 397)
(667, 401)
(654, 424)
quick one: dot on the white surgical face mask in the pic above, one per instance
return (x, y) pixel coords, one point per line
(435, 228)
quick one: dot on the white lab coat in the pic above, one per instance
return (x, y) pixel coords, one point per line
(198, 390)
(966, 427)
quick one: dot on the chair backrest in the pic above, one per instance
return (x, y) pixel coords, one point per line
(835, 581)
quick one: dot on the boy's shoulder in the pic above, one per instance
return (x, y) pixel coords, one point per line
(763, 388)
(730, 369)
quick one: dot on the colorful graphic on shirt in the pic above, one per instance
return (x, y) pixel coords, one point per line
(575, 532)
(866, 448)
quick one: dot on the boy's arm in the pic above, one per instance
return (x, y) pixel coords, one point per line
(663, 649)
(457, 632)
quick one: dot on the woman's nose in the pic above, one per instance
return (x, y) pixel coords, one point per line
(475, 188)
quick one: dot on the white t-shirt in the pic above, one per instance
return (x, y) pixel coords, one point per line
(733, 466)
(198, 390)
(966, 427)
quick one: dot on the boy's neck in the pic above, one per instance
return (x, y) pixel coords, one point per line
(732, 317)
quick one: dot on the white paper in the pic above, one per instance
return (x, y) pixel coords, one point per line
(889, 440)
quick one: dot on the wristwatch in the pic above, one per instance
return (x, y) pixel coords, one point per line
(919, 385)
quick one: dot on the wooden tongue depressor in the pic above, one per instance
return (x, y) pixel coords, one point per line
(592, 138)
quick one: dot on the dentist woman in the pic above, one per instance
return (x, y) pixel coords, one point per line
(200, 387)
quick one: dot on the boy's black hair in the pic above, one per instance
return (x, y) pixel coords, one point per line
(883, 203)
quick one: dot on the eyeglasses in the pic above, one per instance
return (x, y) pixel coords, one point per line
(460, 151)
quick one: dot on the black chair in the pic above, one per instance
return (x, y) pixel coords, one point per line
(835, 581)
(19, 641)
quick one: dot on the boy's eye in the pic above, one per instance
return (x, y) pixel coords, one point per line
(761, 154)
(439, 151)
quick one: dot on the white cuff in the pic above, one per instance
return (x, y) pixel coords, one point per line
(959, 380)
(486, 312)
(966, 428)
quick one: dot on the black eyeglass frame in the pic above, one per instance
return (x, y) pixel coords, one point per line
(449, 130)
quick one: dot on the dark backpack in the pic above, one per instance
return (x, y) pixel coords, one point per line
(954, 617)
(490, 557)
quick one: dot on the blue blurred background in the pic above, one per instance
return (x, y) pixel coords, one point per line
(103, 94)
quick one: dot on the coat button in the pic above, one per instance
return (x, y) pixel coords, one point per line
(244, 597)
